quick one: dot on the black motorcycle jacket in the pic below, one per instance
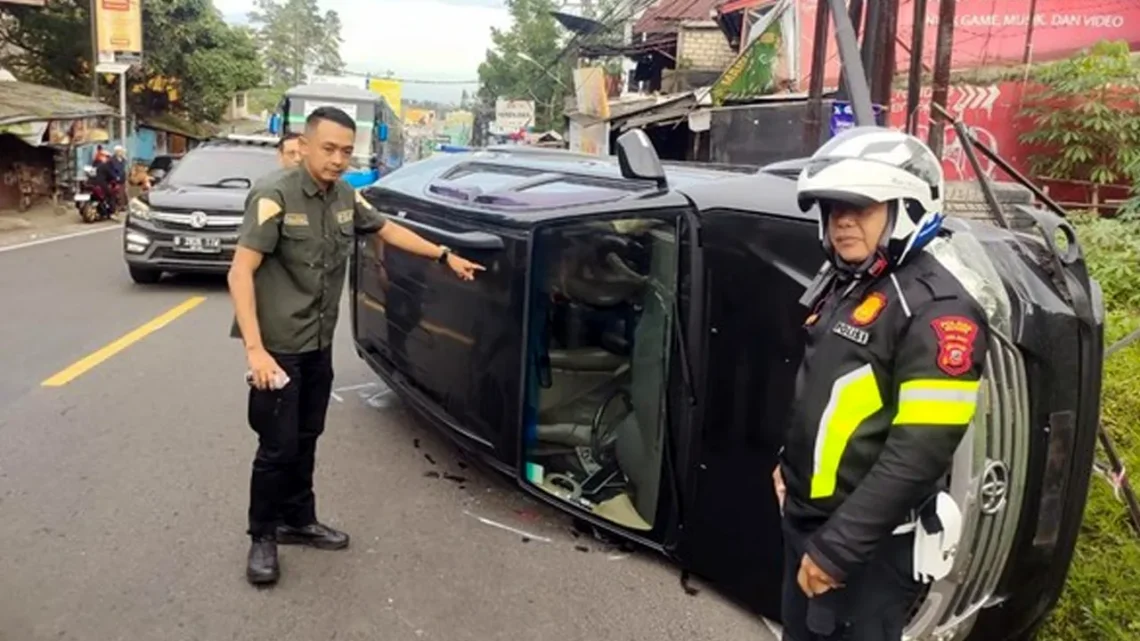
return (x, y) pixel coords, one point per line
(887, 387)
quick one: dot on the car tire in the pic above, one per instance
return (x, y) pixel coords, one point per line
(144, 276)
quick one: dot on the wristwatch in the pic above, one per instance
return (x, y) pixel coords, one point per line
(446, 251)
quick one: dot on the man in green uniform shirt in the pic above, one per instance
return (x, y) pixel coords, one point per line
(286, 282)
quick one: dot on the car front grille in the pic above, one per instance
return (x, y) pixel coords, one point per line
(183, 221)
(988, 483)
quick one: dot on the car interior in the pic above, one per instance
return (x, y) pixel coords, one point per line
(599, 357)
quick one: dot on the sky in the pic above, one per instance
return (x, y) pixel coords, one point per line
(414, 39)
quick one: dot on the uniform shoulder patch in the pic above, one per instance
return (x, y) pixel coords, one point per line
(868, 310)
(267, 208)
(956, 336)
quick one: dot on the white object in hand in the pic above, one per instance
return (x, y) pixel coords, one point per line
(280, 379)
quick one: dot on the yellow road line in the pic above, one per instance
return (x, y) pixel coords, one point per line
(78, 368)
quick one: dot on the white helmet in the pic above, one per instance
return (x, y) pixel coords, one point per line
(867, 165)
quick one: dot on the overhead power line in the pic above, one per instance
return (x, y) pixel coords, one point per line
(410, 81)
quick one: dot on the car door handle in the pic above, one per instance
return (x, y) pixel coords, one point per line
(455, 239)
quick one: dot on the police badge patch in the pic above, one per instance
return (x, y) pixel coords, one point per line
(867, 311)
(956, 335)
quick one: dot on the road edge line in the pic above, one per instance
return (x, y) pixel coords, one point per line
(92, 360)
(52, 239)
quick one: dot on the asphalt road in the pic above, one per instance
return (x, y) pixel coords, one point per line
(123, 493)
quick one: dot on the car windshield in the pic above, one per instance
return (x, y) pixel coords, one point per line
(232, 169)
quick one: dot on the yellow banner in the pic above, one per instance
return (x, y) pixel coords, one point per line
(119, 26)
(590, 91)
(390, 91)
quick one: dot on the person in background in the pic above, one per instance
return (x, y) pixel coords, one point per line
(888, 385)
(286, 281)
(289, 150)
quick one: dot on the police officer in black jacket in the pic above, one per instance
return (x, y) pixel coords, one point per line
(895, 348)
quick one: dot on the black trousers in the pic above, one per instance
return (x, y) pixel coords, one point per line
(872, 606)
(288, 422)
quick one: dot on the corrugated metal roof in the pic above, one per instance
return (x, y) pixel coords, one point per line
(24, 102)
(665, 15)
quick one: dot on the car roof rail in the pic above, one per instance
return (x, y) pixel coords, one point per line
(257, 140)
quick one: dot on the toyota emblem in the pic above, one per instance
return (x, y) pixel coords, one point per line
(198, 219)
(995, 487)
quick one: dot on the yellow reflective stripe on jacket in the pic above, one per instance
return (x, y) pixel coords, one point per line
(937, 402)
(854, 398)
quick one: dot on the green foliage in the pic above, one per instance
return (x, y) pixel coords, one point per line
(187, 49)
(1103, 587)
(48, 45)
(521, 64)
(210, 60)
(1085, 115)
(297, 40)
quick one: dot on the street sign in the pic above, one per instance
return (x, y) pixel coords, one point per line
(118, 25)
(843, 116)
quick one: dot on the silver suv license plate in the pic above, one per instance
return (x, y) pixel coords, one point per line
(197, 244)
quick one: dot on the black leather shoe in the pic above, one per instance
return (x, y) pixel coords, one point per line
(315, 535)
(262, 567)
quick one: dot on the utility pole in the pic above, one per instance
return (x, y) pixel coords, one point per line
(94, 50)
(914, 76)
(943, 51)
(1029, 33)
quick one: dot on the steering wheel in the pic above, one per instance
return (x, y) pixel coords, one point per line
(596, 273)
(599, 436)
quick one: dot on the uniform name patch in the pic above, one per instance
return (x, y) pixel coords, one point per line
(296, 220)
(344, 216)
(853, 334)
(867, 311)
(956, 335)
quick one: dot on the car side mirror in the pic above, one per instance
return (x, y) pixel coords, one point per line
(157, 174)
(638, 159)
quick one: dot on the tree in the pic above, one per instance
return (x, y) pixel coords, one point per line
(193, 62)
(205, 60)
(522, 64)
(296, 40)
(1086, 117)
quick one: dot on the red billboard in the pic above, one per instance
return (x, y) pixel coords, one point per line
(989, 111)
(994, 32)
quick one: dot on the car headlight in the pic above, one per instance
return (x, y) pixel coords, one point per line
(139, 209)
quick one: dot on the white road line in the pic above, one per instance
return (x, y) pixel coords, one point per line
(508, 528)
(336, 398)
(354, 387)
(52, 239)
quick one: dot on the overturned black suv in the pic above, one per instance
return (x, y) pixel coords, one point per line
(629, 357)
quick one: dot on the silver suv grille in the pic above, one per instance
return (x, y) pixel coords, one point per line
(988, 482)
(193, 221)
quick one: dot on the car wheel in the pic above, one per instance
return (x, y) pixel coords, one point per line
(144, 276)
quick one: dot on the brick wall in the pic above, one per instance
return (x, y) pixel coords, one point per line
(704, 46)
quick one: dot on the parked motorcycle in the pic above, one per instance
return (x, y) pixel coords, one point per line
(94, 202)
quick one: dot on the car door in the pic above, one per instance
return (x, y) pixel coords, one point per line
(604, 412)
(759, 253)
(453, 343)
